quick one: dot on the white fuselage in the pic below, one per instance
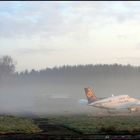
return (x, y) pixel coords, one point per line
(115, 102)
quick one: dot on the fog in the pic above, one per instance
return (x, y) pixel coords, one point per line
(42, 99)
(58, 90)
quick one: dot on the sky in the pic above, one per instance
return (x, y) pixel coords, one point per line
(41, 34)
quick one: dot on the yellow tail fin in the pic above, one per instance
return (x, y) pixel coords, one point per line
(90, 95)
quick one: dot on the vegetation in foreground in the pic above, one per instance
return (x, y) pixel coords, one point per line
(69, 127)
(100, 125)
(76, 124)
(12, 124)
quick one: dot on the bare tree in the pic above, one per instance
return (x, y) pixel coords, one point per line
(7, 66)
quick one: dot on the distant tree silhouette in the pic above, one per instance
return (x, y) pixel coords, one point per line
(7, 66)
(65, 73)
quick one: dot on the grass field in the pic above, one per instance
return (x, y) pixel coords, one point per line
(69, 127)
(13, 124)
(85, 124)
(71, 124)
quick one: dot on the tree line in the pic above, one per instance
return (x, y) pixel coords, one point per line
(8, 70)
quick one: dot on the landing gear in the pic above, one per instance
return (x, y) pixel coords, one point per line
(109, 111)
(132, 110)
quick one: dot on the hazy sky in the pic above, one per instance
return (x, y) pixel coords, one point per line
(46, 34)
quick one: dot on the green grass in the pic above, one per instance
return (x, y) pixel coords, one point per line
(12, 124)
(106, 124)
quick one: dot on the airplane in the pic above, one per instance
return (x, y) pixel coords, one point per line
(111, 103)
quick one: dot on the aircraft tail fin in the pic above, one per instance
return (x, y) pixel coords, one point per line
(90, 95)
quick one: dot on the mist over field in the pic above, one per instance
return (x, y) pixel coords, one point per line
(57, 90)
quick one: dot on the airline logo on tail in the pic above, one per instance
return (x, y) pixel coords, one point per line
(90, 95)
